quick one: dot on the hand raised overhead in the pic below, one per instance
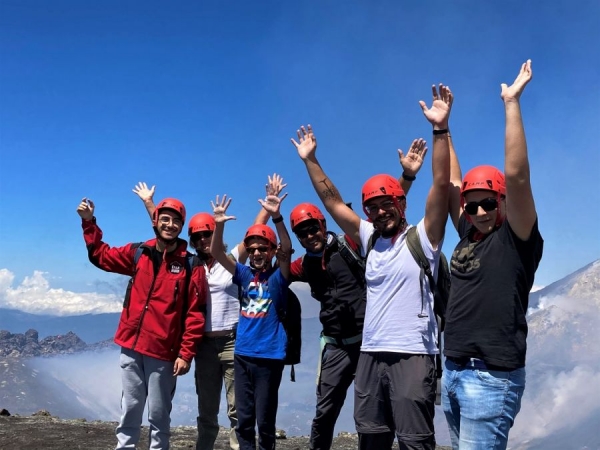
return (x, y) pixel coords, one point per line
(514, 91)
(86, 209)
(219, 207)
(275, 184)
(413, 160)
(272, 201)
(439, 112)
(143, 192)
(307, 142)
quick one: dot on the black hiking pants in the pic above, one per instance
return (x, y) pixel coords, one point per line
(338, 367)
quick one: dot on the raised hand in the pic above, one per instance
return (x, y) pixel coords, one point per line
(143, 192)
(86, 209)
(272, 202)
(514, 91)
(307, 142)
(275, 184)
(413, 160)
(439, 112)
(219, 207)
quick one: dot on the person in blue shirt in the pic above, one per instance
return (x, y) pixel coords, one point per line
(261, 338)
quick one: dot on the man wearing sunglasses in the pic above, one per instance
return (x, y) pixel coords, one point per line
(493, 269)
(214, 355)
(339, 286)
(260, 346)
(162, 318)
(395, 376)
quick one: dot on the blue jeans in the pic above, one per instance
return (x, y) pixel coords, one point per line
(480, 404)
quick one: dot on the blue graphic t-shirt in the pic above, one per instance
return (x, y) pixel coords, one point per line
(260, 333)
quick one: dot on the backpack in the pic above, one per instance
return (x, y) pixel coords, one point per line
(291, 320)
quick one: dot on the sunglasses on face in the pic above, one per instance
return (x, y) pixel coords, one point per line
(303, 233)
(260, 248)
(201, 235)
(387, 206)
(487, 204)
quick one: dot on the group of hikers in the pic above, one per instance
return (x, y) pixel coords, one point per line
(380, 324)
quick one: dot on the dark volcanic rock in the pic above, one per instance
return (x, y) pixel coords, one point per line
(27, 345)
(50, 433)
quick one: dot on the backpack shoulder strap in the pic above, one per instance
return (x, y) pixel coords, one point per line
(138, 252)
(371, 242)
(348, 253)
(416, 250)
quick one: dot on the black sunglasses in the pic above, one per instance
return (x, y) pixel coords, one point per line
(201, 234)
(260, 248)
(303, 233)
(487, 204)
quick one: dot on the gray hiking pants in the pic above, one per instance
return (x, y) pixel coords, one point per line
(145, 378)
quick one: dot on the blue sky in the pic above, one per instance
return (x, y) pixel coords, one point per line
(201, 98)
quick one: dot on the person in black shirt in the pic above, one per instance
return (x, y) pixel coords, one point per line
(493, 268)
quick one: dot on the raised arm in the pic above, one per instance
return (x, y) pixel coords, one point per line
(454, 206)
(436, 208)
(411, 163)
(347, 219)
(520, 206)
(217, 250)
(272, 204)
(274, 184)
(146, 195)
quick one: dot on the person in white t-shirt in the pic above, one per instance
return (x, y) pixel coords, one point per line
(214, 355)
(395, 379)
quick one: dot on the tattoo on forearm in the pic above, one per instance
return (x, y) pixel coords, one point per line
(330, 191)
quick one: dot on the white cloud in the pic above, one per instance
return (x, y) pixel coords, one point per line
(34, 295)
(559, 401)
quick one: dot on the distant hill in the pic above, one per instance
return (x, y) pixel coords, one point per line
(89, 327)
(583, 284)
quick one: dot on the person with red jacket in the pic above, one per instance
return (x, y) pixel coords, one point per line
(162, 319)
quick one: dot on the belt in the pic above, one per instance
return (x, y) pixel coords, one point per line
(342, 341)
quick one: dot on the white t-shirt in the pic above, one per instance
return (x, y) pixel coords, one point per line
(223, 306)
(392, 322)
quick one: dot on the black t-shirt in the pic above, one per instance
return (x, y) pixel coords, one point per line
(489, 297)
(342, 295)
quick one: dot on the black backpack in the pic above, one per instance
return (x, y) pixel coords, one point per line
(291, 319)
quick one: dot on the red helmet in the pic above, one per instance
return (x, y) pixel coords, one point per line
(169, 203)
(484, 177)
(201, 222)
(304, 212)
(263, 231)
(381, 185)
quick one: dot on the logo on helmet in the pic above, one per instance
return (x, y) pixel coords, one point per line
(489, 183)
(383, 191)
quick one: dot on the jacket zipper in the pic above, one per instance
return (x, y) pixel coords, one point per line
(137, 333)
